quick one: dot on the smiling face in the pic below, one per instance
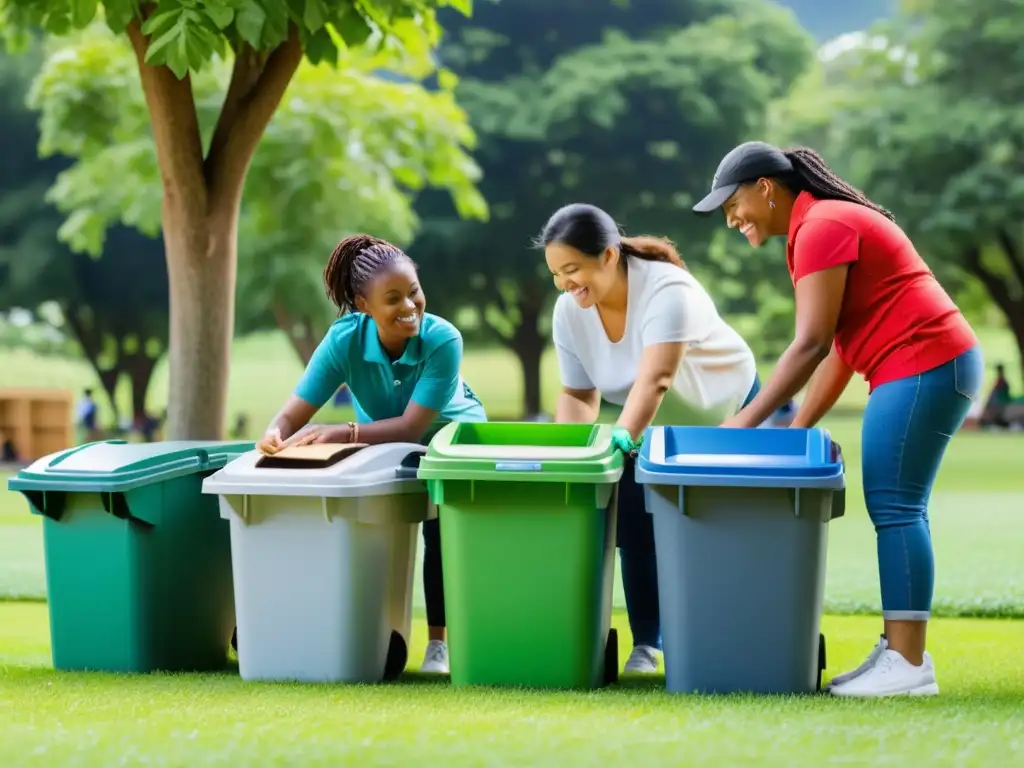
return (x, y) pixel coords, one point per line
(395, 301)
(586, 278)
(751, 210)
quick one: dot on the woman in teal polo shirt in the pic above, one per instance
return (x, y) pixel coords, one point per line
(401, 366)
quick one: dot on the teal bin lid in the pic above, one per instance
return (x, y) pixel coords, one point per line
(523, 452)
(118, 466)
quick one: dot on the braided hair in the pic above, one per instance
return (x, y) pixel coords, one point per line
(812, 174)
(355, 261)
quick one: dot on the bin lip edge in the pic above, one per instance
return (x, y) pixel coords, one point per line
(831, 482)
(606, 477)
(316, 491)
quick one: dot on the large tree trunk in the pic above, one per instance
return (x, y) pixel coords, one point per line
(1009, 301)
(200, 218)
(139, 368)
(201, 268)
(90, 339)
(528, 346)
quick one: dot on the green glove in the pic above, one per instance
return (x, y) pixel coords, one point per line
(622, 440)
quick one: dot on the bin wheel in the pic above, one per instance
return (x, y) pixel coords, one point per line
(398, 657)
(234, 639)
(821, 658)
(611, 658)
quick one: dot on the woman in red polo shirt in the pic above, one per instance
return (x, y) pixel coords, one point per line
(865, 303)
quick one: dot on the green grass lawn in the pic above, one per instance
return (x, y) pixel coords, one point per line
(976, 521)
(264, 369)
(93, 720)
(976, 510)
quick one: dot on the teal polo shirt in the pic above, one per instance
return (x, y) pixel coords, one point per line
(427, 373)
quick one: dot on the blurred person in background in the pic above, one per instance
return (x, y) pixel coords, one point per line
(866, 303)
(87, 417)
(400, 365)
(631, 324)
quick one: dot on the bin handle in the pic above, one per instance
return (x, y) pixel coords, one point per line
(406, 473)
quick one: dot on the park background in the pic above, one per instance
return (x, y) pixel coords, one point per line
(143, 255)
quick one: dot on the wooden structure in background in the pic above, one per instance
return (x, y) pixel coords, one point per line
(37, 420)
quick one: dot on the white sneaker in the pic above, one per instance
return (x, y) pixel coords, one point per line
(892, 675)
(644, 659)
(871, 660)
(435, 660)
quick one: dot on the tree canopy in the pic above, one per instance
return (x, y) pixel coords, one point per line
(628, 110)
(163, 104)
(926, 116)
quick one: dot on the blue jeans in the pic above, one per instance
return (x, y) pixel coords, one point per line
(637, 559)
(907, 425)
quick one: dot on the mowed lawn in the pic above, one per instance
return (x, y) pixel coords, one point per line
(93, 720)
(98, 720)
(977, 511)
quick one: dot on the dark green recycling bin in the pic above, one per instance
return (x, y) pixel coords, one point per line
(138, 560)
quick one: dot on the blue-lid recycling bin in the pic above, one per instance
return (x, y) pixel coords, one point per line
(741, 537)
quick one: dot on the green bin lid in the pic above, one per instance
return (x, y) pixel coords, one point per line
(523, 452)
(117, 465)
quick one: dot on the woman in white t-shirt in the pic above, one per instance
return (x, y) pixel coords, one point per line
(632, 324)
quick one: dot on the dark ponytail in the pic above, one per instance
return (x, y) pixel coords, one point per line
(651, 248)
(355, 261)
(591, 231)
(812, 174)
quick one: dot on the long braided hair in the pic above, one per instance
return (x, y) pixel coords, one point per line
(355, 261)
(812, 174)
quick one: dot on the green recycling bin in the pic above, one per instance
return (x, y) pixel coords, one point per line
(138, 560)
(527, 514)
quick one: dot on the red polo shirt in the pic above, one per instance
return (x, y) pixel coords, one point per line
(896, 320)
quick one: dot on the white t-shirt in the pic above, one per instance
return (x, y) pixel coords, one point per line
(664, 304)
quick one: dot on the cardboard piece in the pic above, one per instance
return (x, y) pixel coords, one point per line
(315, 456)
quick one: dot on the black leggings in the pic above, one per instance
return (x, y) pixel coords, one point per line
(433, 583)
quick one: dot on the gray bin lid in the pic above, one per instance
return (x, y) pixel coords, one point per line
(375, 470)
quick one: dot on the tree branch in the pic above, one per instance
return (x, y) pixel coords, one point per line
(240, 134)
(1012, 255)
(993, 284)
(172, 109)
(245, 75)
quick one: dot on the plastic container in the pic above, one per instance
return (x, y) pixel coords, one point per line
(741, 534)
(138, 561)
(527, 515)
(323, 554)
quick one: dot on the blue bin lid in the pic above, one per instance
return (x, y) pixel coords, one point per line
(117, 465)
(773, 457)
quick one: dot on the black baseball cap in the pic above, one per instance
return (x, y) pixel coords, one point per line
(747, 162)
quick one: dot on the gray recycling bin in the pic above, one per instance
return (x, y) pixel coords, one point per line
(323, 546)
(741, 535)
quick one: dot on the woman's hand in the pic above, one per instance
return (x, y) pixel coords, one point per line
(319, 433)
(739, 421)
(271, 442)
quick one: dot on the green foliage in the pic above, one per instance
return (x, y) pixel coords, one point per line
(187, 35)
(347, 152)
(347, 149)
(926, 116)
(627, 108)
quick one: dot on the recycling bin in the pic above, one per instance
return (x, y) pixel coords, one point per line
(527, 514)
(138, 561)
(323, 548)
(741, 537)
